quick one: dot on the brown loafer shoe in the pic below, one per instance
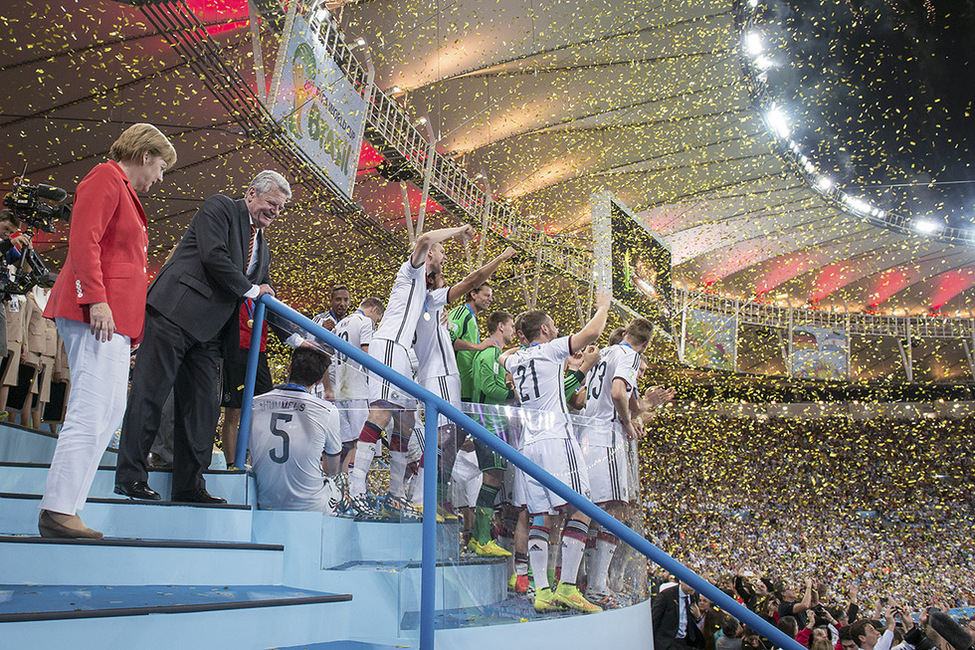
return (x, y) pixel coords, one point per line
(55, 524)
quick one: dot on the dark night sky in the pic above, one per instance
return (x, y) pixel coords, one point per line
(881, 92)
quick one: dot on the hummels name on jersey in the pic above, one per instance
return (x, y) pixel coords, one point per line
(285, 404)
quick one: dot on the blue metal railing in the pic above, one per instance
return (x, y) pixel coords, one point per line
(436, 406)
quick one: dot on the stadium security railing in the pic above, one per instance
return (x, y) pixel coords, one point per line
(435, 406)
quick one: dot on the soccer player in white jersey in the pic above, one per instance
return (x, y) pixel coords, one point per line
(392, 345)
(294, 440)
(339, 300)
(349, 380)
(550, 443)
(436, 364)
(605, 440)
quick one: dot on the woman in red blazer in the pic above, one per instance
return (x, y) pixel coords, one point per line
(99, 304)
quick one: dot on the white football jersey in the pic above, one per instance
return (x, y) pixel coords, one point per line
(349, 380)
(405, 305)
(538, 373)
(290, 428)
(615, 362)
(433, 347)
(318, 390)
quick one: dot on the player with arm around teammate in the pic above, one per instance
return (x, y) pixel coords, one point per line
(392, 345)
(437, 369)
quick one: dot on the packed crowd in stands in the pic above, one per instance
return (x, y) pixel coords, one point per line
(884, 505)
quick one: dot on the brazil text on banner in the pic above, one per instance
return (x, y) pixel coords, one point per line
(318, 107)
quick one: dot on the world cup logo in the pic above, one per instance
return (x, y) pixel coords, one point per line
(304, 69)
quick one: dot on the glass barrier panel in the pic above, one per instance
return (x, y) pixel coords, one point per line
(484, 575)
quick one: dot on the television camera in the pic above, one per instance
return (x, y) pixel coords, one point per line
(27, 202)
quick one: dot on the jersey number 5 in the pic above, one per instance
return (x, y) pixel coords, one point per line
(285, 439)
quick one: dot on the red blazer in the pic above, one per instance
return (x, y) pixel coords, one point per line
(107, 252)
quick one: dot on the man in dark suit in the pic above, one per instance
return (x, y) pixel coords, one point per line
(191, 321)
(675, 615)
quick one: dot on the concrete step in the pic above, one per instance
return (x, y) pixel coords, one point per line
(161, 617)
(380, 560)
(137, 519)
(19, 444)
(471, 582)
(24, 445)
(29, 478)
(40, 561)
(384, 541)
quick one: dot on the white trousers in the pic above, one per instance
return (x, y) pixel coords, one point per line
(96, 403)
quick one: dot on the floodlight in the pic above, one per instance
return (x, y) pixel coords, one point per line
(776, 120)
(753, 43)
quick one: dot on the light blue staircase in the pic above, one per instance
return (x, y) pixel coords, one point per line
(187, 576)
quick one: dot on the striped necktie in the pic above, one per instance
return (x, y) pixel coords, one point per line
(250, 249)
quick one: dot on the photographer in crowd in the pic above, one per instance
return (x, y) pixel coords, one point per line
(99, 304)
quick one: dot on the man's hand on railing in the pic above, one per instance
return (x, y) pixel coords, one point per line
(265, 289)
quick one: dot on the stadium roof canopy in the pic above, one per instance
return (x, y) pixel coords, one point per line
(667, 104)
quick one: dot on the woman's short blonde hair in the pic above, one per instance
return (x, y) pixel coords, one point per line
(141, 139)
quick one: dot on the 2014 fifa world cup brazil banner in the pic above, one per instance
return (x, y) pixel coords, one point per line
(318, 106)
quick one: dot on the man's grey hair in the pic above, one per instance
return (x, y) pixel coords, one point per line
(269, 180)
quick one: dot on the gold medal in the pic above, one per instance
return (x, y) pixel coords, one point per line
(250, 323)
(426, 315)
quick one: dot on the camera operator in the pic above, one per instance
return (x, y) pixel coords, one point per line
(10, 233)
(99, 304)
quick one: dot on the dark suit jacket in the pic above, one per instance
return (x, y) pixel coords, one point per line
(202, 285)
(665, 611)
